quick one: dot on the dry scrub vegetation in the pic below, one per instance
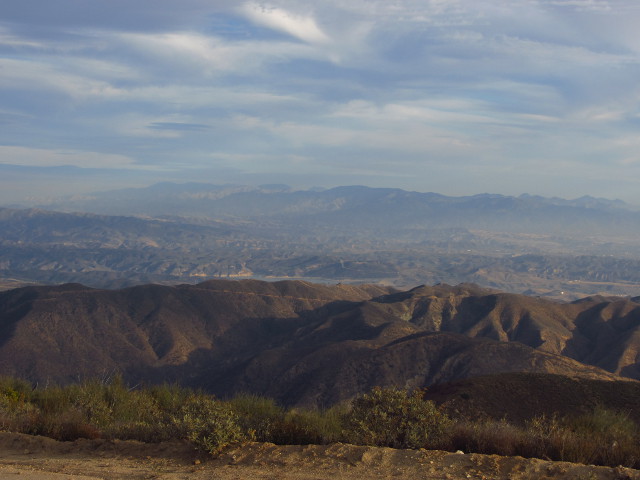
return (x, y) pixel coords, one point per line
(383, 417)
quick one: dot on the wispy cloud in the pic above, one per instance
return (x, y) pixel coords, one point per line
(411, 91)
(302, 27)
(43, 77)
(178, 126)
(35, 157)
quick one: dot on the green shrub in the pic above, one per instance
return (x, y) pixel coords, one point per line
(605, 437)
(599, 437)
(322, 426)
(268, 422)
(90, 398)
(257, 415)
(94, 409)
(71, 412)
(15, 389)
(17, 415)
(210, 425)
(54, 399)
(68, 425)
(606, 424)
(394, 418)
(488, 436)
(169, 397)
(137, 416)
(304, 427)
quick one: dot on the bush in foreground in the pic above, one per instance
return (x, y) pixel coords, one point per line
(395, 418)
(266, 421)
(208, 424)
(382, 417)
(601, 437)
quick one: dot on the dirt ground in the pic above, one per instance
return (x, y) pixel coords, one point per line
(39, 458)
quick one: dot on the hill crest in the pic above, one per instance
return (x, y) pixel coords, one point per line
(305, 343)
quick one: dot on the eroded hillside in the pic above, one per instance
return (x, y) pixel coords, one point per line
(304, 343)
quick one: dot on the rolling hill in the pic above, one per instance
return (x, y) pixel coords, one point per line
(309, 344)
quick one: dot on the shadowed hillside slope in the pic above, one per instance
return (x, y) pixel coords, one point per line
(519, 397)
(303, 343)
(71, 331)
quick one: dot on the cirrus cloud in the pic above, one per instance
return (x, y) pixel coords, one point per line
(451, 95)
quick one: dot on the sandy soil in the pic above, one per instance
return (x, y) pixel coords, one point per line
(40, 458)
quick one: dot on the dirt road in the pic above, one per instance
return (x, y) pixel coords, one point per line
(40, 458)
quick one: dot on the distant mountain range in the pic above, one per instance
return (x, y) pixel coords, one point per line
(183, 233)
(310, 344)
(357, 209)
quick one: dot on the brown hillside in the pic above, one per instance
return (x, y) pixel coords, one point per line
(69, 332)
(304, 343)
(339, 371)
(599, 331)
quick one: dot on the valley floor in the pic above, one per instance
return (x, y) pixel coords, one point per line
(41, 458)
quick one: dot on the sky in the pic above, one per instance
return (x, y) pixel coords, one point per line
(458, 97)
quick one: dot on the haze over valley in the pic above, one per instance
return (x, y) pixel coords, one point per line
(174, 233)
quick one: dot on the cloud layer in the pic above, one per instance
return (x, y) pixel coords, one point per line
(453, 96)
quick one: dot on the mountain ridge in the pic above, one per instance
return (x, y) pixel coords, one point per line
(330, 206)
(304, 343)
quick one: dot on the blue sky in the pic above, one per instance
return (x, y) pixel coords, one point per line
(453, 96)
